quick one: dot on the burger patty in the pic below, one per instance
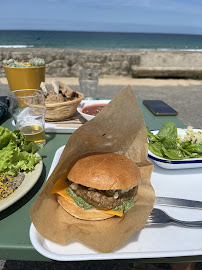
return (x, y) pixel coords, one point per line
(101, 200)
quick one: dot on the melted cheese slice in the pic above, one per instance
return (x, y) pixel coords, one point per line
(60, 188)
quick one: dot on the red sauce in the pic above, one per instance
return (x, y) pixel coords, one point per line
(93, 109)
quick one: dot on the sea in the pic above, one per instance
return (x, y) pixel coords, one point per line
(99, 40)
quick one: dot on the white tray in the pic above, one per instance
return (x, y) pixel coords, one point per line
(153, 241)
(53, 128)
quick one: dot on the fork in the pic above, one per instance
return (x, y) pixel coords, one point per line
(158, 216)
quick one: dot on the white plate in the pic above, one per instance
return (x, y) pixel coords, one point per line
(176, 164)
(152, 242)
(90, 102)
(28, 182)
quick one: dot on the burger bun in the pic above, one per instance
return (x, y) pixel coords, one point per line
(77, 212)
(104, 171)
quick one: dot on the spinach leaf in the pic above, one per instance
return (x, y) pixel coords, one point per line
(173, 153)
(168, 131)
(197, 148)
(151, 136)
(156, 148)
(185, 144)
(169, 144)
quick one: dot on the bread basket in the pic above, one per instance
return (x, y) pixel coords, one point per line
(63, 110)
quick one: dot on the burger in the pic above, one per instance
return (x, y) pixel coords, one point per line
(99, 186)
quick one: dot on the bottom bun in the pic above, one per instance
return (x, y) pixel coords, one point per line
(80, 213)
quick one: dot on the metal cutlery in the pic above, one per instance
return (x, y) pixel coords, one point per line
(158, 216)
(178, 202)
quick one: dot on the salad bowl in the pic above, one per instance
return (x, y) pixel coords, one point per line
(186, 163)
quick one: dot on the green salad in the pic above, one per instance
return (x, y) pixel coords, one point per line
(167, 144)
(16, 153)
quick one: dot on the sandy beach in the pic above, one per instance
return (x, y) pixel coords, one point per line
(126, 81)
(132, 81)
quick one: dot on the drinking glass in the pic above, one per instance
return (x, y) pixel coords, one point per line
(88, 80)
(28, 109)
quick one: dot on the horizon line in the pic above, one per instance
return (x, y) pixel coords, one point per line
(118, 32)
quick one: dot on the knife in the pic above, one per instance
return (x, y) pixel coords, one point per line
(178, 202)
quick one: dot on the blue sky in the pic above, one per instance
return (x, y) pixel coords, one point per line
(164, 16)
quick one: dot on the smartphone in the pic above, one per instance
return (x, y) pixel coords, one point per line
(159, 107)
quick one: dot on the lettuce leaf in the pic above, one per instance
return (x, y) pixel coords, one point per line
(16, 154)
(5, 137)
(25, 145)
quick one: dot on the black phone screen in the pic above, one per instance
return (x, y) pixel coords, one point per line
(159, 107)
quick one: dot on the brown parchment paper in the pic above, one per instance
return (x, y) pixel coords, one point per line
(118, 128)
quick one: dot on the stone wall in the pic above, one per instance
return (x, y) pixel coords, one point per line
(66, 62)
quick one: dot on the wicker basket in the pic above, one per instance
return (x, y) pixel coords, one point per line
(63, 110)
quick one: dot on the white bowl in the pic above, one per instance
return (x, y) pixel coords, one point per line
(84, 103)
(176, 164)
